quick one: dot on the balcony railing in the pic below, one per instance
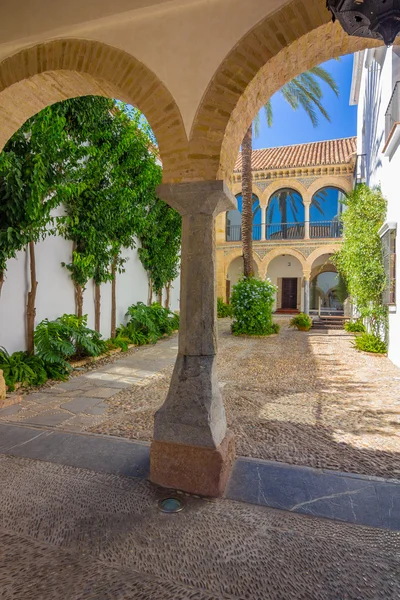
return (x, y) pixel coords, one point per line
(326, 229)
(392, 116)
(233, 233)
(285, 231)
(288, 231)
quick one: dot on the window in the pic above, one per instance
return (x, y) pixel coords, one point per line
(388, 236)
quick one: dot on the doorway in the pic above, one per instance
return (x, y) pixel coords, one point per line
(289, 293)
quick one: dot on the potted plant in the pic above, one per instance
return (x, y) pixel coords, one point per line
(302, 322)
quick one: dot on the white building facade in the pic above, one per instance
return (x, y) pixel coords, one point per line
(55, 291)
(376, 91)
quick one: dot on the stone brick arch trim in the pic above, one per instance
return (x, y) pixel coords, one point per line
(281, 184)
(236, 189)
(289, 41)
(342, 183)
(47, 73)
(320, 252)
(322, 269)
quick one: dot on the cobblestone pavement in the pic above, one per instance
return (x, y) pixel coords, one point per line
(75, 534)
(299, 398)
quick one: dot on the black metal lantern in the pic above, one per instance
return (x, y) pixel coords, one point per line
(378, 19)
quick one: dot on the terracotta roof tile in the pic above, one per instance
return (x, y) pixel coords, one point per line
(315, 154)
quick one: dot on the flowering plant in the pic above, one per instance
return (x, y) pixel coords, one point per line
(252, 301)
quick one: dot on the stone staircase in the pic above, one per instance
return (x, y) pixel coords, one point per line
(329, 322)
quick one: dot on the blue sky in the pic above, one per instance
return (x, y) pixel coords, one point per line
(294, 127)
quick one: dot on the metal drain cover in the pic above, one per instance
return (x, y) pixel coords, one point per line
(170, 505)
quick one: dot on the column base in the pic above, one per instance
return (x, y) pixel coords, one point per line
(194, 469)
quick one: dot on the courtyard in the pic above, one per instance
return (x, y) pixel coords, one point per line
(300, 398)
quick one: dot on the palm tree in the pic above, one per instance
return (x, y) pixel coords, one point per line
(304, 92)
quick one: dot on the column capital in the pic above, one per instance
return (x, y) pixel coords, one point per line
(194, 197)
(306, 274)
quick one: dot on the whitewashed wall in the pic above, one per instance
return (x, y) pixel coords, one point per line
(380, 70)
(55, 292)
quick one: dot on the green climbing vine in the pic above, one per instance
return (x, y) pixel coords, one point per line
(360, 261)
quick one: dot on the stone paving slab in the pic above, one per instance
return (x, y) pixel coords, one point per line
(80, 404)
(10, 410)
(48, 418)
(345, 497)
(74, 534)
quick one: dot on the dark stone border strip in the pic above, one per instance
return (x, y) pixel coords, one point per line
(347, 497)
(100, 453)
(333, 495)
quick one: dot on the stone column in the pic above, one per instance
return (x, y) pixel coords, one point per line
(307, 293)
(192, 449)
(306, 220)
(263, 223)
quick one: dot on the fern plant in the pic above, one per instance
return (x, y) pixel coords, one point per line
(21, 367)
(66, 337)
(141, 320)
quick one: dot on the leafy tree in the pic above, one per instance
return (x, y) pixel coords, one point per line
(160, 239)
(304, 92)
(30, 171)
(359, 261)
(106, 202)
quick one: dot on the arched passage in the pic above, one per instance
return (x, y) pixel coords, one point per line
(290, 41)
(325, 293)
(42, 75)
(286, 272)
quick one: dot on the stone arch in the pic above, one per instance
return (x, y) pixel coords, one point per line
(322, 269)
(280, 251)
(47, 73)
(280, 184)
(341, 183)
(320, 252)
(286, 43)
(237, 253)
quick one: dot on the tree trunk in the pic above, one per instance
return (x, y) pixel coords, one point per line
(150, 296)
(30, 307)
(1, 280)
(160, 297)
(113, 299)
(78, 300)
(247, 203)
(97, 307)
(167, 295)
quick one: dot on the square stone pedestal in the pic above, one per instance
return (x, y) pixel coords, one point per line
(194, 469)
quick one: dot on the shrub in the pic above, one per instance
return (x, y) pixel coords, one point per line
(301, 321)
(16, 369)
(223, 309)
(252, 301)
(66, 337)
(148, 323)
(27, 369)
(368, 342)
(355, 326)
(118, 342)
